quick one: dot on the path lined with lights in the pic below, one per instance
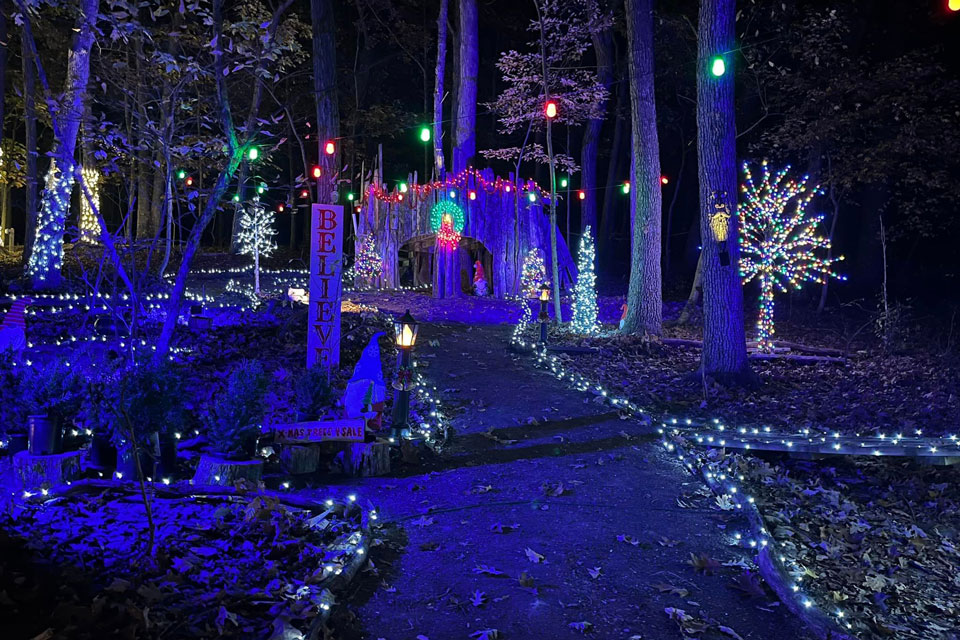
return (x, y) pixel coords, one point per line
(533, 465)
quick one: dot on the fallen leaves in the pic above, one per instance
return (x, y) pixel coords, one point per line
(664, 587)
(702, 562)
(553, 489)
(582, 626)
(487, 570)
(533, 556)
(499, 527)
(594, 572)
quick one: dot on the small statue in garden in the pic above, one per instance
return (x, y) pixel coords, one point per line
(367, 372)
(479, 279)
(13, 331)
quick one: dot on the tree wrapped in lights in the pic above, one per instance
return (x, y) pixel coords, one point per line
(585, 292)
(369, 265)
(256, 237)
(778, 241)
(533, 274)
(88, 224)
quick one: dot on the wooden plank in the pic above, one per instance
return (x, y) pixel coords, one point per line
(345, 430)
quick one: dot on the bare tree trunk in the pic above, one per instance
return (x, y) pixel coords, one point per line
(465, 144)
(724, 341)
(835, 201)
(5, 189)
(695, 291)
(143, 160)
(644, 297)
(325, 94)
(605, 235)
(668, 238)
(438, 159)
(30, 127)
(603, 47)
(44, 265)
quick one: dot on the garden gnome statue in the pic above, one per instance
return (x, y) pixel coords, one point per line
(479, 281)
(623, 314)
(13, 331)
(369, 370)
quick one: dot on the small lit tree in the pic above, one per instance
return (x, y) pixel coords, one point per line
(256, 236)
(533, 274)
(585, 293)
(369, 265)
(778, 246)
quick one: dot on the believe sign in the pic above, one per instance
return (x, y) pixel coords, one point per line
(326, 260)
(349, 430)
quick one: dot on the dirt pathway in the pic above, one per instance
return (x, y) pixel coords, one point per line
(520, 533)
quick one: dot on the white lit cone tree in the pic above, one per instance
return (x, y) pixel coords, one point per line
(779, 243)
(256, 237)
(585, 293)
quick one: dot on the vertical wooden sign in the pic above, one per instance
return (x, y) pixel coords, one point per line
(326, 261)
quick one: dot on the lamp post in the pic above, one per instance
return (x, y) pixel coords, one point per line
(543, 317)
(405, 337)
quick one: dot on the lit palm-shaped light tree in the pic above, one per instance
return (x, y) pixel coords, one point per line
(779, 241)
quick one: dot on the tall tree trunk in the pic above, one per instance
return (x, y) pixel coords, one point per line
(644, 297)
(835, 201)
(605, 235)
(5, 189)
(603, 47)
(143, 159)
(325, 92)
(441, 69)
(465, 145)
(554, 266)
(30, 127)
(47, 255)
(724, 341)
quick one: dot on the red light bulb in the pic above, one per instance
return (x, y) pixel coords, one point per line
(550, 109)
(330, 148)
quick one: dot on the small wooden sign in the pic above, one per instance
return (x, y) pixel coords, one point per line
(347, 430)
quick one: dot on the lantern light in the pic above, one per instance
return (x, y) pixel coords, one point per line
(953, 5)
(405, 331)
(544, 292)
(550, 109)
(717, 66)
(424, 134)
(330, 148)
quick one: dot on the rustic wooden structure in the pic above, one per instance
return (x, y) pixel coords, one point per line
(216, 471)
(498, 214)
(34, 472)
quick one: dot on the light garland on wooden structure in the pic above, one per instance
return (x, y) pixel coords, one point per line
(455, 183)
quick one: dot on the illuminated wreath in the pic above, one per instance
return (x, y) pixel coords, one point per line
(444, 208)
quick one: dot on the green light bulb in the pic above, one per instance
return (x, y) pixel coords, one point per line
(350, 197)
(181, 174)
(563, 183)
(236, 197)
(532, 196)
(261, 189)
(718, 67)
(425, 134)
(253, 153)
(403, 187)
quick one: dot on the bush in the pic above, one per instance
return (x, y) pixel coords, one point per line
(147, 398)
(312, 393)
(13, 419)
(233, 422)
(51, 389)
